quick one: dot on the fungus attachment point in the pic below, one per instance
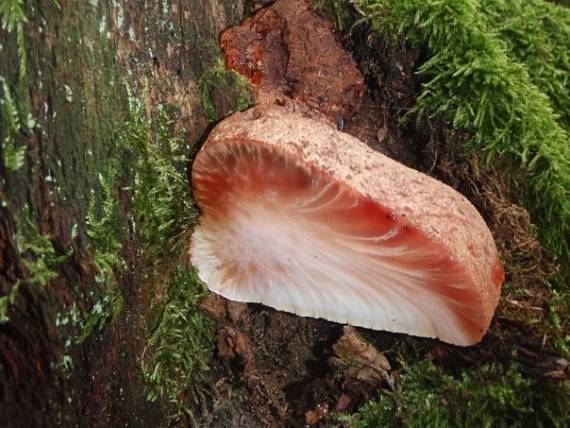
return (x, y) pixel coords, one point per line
(309, 220)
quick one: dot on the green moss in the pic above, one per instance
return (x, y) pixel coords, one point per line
(102, 220)
(13, 155)
(104, 226)
(487, 396)
(537, 34)
(162, 205)
(8, 300)
(13, 18)
(38, 253)
(39, 258)
(16, 105)
(227, 83)
(180, 342)
(558, 315)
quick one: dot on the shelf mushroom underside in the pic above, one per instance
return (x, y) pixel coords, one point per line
(278, 231)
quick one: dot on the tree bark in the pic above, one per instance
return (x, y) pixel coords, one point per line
(79, 59)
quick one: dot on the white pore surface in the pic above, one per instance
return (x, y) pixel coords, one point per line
(273, 255)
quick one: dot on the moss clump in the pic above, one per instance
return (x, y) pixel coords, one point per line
(181, 344)
(488, 396)
(180, 341)
(13, 19)
(13, 155)
(38, 254)
(163, 208)
(15, 104)
(537, 34)
(472, 83)
(7, 301)
(39, 258)
(104, 225)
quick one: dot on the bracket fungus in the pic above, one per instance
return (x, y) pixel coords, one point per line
(304, 218)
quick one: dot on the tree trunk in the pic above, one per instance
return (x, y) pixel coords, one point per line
(69, 70)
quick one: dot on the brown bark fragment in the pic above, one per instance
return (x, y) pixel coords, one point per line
(257, 48)
(342, 403)
(214, 306)
(287, 50)
(360, 360)
(234, 344)
(313, 417)
(235, 310)
(222, 309)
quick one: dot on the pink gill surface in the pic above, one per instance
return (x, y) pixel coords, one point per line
(283, 233)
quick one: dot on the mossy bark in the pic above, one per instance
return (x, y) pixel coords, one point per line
(84, 61)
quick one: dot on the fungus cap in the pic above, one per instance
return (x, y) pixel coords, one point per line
(307, 219)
